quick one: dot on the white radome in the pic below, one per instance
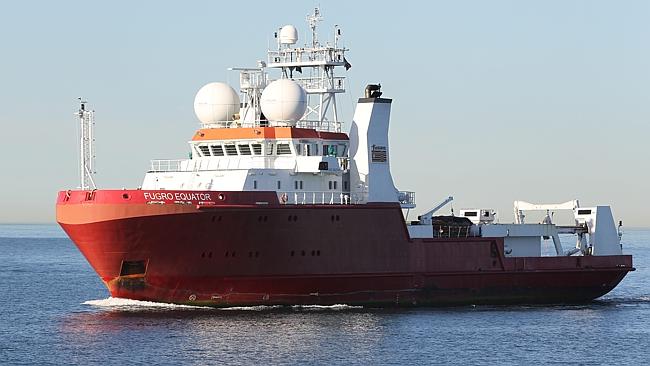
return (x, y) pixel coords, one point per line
(216, 103)
(284, 101)
(288, 34)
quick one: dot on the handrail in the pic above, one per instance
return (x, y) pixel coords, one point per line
(314, 198)
(452, 231)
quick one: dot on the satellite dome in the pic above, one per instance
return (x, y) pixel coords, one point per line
(215, 103)
(288, 34)
(284, 101)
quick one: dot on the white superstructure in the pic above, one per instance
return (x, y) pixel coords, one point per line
(283, 132)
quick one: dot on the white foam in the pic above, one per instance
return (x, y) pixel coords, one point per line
(326, 307)
(128, 304)
(252, 308)
(135, 305)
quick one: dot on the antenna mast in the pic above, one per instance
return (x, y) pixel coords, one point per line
(86, 146)
(312, 20)
(313, 67)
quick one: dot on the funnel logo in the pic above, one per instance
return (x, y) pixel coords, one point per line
(379, 154)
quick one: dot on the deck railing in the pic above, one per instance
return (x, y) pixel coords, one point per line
(166, 165)
(314, 198)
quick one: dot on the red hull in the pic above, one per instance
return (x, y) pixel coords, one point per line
(244, 248)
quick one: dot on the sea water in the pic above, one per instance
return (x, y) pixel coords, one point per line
(54, 310)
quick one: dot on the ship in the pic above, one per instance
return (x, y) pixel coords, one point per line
(277, 205)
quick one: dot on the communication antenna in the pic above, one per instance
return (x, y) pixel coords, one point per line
(313, 20)
(86, 145)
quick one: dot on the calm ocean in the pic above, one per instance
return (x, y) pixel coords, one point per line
(54, 310)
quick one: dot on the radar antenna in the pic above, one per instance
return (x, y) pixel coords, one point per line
(86, 145)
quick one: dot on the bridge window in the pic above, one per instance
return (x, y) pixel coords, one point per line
(330, 150)
(217, 150)
(205, 150)
(230, 149)
(312, 149)
(342, 149)
(257, 149)
(283, 149)
(244, 149)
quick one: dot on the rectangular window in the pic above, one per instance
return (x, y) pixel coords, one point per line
(269, 149)
(345, 185)
(231, 150)
(244, 149)
(279, 185)
(217, 150)
(284, 149)
(205, 150)
(342, 150)
(584, 212)
(333, 150)
(254, 184)
(335, 184)
(330, 184)
(325, 147)
(298, 149)
(471, 213)
(300, 184)
(257, 149)
(295, 184)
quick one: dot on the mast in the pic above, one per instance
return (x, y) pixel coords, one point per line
(86, 146)
(313, 67)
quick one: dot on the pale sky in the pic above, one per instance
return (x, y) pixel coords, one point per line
(493, 101)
